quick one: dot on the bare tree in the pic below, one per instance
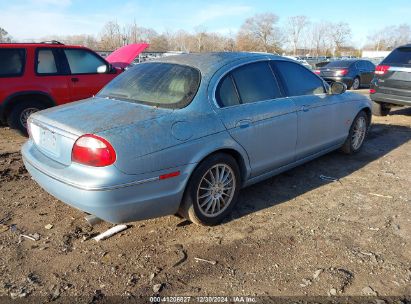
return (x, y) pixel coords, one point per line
(4, 35)
(294, 28)
(259, 33)
(389, 37)
(111, 36)
(319, 36)
(340, 34)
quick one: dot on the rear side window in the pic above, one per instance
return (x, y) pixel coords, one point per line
(12, 62)
(256, 82)
(46, 62)
(401, 55)
(83, 62)
(298, 80)
(226, 92)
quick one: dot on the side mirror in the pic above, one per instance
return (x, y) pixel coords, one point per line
(102, 69)
(338, 88)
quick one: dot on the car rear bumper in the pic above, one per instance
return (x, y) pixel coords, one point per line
(391, 99)
(347, 80)
(142, 199)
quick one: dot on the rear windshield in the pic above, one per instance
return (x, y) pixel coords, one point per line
(339, 64)
(399, 56)
(11, 62)
(158, 84)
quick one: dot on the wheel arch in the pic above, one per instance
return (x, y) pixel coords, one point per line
(11, 100)
(368, 112)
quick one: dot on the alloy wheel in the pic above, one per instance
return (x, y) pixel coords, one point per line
(216, 190)
(25, 114)
(359, 131)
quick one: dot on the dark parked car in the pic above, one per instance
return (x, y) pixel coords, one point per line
(391, 85)
(353, 72)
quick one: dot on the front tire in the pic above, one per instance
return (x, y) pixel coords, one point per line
(380, 109)
(212, 191)
(17, 118)
(357, 134)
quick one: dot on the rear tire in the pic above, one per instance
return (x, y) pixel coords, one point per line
(358, 133)
(210, 197)
(380, 109)
(356, 84)
(17, 118)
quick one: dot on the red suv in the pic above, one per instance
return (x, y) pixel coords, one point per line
(35, 76)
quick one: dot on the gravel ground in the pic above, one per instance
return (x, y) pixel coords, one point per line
(292, 235)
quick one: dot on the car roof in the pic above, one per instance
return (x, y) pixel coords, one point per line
(211, 62)
(37, 44)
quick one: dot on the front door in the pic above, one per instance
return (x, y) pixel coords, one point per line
(321, 117)
(88, 74)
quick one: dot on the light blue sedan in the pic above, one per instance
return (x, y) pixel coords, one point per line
(184, 134)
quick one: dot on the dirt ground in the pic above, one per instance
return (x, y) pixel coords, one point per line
(293, 235)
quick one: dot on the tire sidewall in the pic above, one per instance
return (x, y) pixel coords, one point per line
(194, 209)
(359, 83)
(13, 119)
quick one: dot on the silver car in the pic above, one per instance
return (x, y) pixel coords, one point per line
(184, 134)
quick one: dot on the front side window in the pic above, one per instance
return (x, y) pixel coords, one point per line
(83, 62)
(46, 62)
(12, 62)
(256, 82)
(158, 84)
(298, 80)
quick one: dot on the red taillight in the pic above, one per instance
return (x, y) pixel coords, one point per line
(92, 150)
(382, 69)
(373, 91)
(342, 72)
(318, 72)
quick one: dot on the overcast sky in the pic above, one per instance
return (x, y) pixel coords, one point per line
(34, 19)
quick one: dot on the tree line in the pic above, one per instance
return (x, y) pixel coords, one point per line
(296, 35)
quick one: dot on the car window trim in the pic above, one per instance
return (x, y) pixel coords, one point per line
(220, 79)
(288, 95)
(59, 67)
(23, 68)
(88, 51)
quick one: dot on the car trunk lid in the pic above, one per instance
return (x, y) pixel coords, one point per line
(55, 130)
(125, 55)
(330, 72)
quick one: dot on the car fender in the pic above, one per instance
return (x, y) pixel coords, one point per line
(11, 99)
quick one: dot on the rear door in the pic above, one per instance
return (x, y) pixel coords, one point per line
(50, 73)
(365, 72)
(258, 116)
(396, 78)
(84, 77)
(321, 117)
